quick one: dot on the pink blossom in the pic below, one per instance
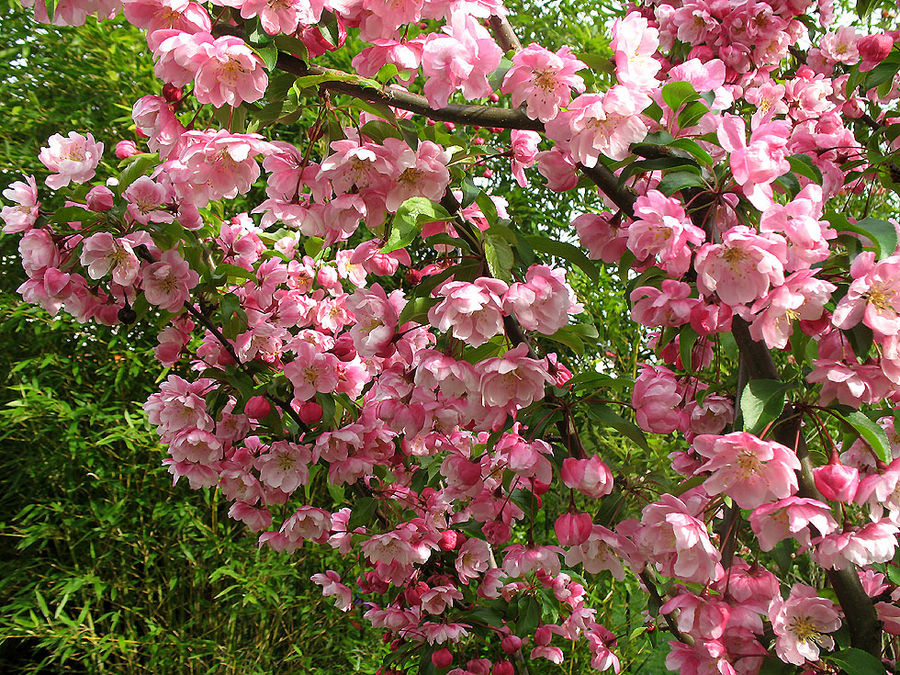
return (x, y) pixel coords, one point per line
(544, 302)
(331, 585)
(283, 16)
(634, 43)
(702, 616)
(801, 297)
(789, 518)
(167, 283)
(741, 269)
(101, 253)
(602, 550)
(154, 15)
(407, 56)
(71, 158)
(147, 201)
(600, 124)
(604, 235)
(419, 173)
(23, 216)
(873, 49)
(670, 306)
(756, 165)
(656, 397)
(873, 297)
(216, 165)
(558, 168)
(231, 75)
(662, 229)
(460, 60)
(836, 481)
(573, 529)
(180, 54)
(474, 311)
(154, 117)
(800, 624)
(312, 371)
(525, 151)
(677, 542)
(284, 466)
(513, 380)
(542, 80)
(472, 560)
(591, 477)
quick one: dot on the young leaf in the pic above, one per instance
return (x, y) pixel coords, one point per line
(870, 432)
(856, 662)
(762, 401)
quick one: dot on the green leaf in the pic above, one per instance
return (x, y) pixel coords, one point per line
(136, 167)
(857, 662)
(269, 55)
(691, 114)
(363, 512)
(676, 94)
(228, 271)
(567, 252)
(608, 417)
(762, 401)
(499, 255)
(529, 615)
(694, 149)
(336, 492)
(291, 44)
(880, 232)
(687, 337)
(417, 310)
(678, 180)
(869, 431)
(408, 219)
(802, 165)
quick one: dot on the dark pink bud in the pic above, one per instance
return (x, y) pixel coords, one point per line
(257, 408)
(873, 49)
(503, 668)
(100, 198)
(344, 349)
(310, 412)
(496, 533)
(442, 658)
(836, 481)
(126, 149)
(543, 635)
(172, 94)
(511, 644)
(573, 529)
(451, 540)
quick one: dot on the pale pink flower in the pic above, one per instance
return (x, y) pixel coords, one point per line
(474, 311)
(591, 477)
(634, 43)
(216, 165)
(473, 559)
(376, 316)
(656, 397)
(873, 297)
(872, 543)
(102, 253)
(741, 269)
(312, 371)
(801, 297)
(147, 201)
(195, 445)
(558, 168)
(460, 60)
(669, 306)
(603, 235)
(750, 471)
(544, 302)
(543, 81)
(167, 283)
(331, 585)
(677, 542)
(71, 158)
(179, 54)
(790, 518)
(155, 15)
(22, 216)
(513, 380)
(419, 173)
(282, 16)
(284, 466)
(154, 117)
(757, 165)
(601, 551)
(663, 230)
(38, 251)
(702, 616)
(231, 75)
(800, 624)
(601, 124)
(525, 150)
(407, 56)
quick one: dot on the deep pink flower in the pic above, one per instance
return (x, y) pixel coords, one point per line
(656, 397)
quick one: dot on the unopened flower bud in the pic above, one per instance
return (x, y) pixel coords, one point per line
(100, 198)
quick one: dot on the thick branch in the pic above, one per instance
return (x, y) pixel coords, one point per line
(504, 34)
